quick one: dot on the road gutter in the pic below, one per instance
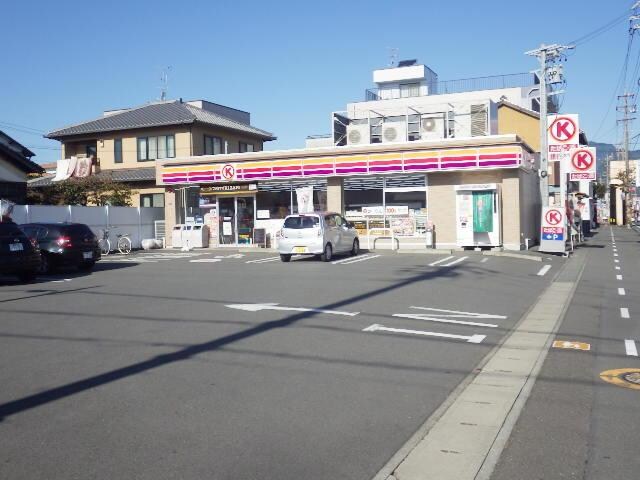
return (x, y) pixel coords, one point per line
(464, 437)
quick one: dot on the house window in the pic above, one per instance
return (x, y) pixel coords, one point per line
(212, 145)
(152, 148)
(409, 90)
(91, 151)
(152, 200)
(245, 147)
(117, 150)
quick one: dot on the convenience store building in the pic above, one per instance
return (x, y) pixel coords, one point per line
(479, 191)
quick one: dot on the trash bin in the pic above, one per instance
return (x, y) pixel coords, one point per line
(431, 236)
(199, 236)
(176, 235)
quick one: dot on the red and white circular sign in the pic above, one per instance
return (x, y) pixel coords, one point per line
(582, 160)
(563, 129)
(228, 172)
(553, 217)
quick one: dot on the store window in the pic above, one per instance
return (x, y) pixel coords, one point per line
(152, 200)
(279, 199)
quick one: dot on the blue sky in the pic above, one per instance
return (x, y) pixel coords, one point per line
(289, 63)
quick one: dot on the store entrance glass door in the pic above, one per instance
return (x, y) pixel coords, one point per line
(245, 207)
(227, 220)
(236, 220)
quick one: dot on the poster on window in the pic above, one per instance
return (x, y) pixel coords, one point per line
(482, 212)
(304, 196)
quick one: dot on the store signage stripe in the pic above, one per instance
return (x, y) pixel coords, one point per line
(498, 163)
(385, 162)
(317, 165)
(351, 170)
(318, 172)
(461, 158)
(397, 168)
(350, 164)
(421, 167)
(255, 169)
(458, 165)
(498, 156)
(421, 160)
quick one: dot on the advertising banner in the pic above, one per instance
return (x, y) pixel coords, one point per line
(482, 211)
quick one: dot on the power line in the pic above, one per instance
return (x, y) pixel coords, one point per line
(600, 30)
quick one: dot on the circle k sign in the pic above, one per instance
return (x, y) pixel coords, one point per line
(563, 129)
(553, 217)
(228, 172)
(582, 160)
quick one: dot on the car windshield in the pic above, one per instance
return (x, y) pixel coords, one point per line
(301, 222)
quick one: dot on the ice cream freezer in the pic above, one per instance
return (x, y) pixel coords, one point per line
(478, 215)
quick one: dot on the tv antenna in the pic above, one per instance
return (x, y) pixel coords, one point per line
(164, 80)
(393, 56)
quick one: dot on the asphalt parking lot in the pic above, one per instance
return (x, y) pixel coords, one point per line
(222, 365)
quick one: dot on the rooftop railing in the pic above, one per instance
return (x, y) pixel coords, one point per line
(466, 85)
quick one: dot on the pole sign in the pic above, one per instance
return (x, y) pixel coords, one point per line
(553, 230)
(582, 164)
(562, 135)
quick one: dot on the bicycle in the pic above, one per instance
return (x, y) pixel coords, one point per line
(123, 243)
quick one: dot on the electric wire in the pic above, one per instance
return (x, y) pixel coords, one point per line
(600, 31)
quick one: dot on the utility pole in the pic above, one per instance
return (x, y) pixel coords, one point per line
(547, 55)
(627, 109)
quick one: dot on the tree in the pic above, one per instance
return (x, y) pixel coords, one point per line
(627, 183)
(92, 190)
(600, 190)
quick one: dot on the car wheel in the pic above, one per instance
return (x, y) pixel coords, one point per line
(45, 265)
(27, 276)
(328, 253)
(86, 266)
(285, 257)
(356, 247)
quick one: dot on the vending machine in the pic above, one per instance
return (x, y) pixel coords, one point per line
(478, 215)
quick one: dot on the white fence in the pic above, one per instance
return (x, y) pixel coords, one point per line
(136, 221)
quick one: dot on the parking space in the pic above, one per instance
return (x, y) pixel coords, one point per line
(200, 348)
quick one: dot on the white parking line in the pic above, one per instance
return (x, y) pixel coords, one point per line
(444, 320)
(621, 291)
(461, 259)
(205, 260)
(544, 270)
(468, 338)
(617, 261)
(484, 260)
(264, 260)
(617, 268)
(624, 312)
(618, 277)
(630, 347)
(361, 259)
(440, 261)
(348, 259)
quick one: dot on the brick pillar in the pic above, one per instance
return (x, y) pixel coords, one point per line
(169, 214)
(335, 194)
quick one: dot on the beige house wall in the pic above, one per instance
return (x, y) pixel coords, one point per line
(527, 127)
(233, 140)
(142, 190)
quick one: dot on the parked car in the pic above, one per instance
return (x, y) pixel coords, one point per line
(18, 254)
(322, 234)
(64, 244)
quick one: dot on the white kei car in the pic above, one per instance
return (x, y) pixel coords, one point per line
(322, 233)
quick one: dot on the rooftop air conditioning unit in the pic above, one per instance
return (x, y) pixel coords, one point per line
(358, 134)
(394, 132)
(432, 127)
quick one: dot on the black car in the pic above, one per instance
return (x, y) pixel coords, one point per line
(64, 244)
(18, 254)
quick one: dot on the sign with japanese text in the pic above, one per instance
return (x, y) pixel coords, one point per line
(582, 164)
(563, 132)
(552, 230)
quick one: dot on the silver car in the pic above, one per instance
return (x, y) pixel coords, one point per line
(323, 234)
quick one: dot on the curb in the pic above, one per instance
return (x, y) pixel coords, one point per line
(521, 256)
